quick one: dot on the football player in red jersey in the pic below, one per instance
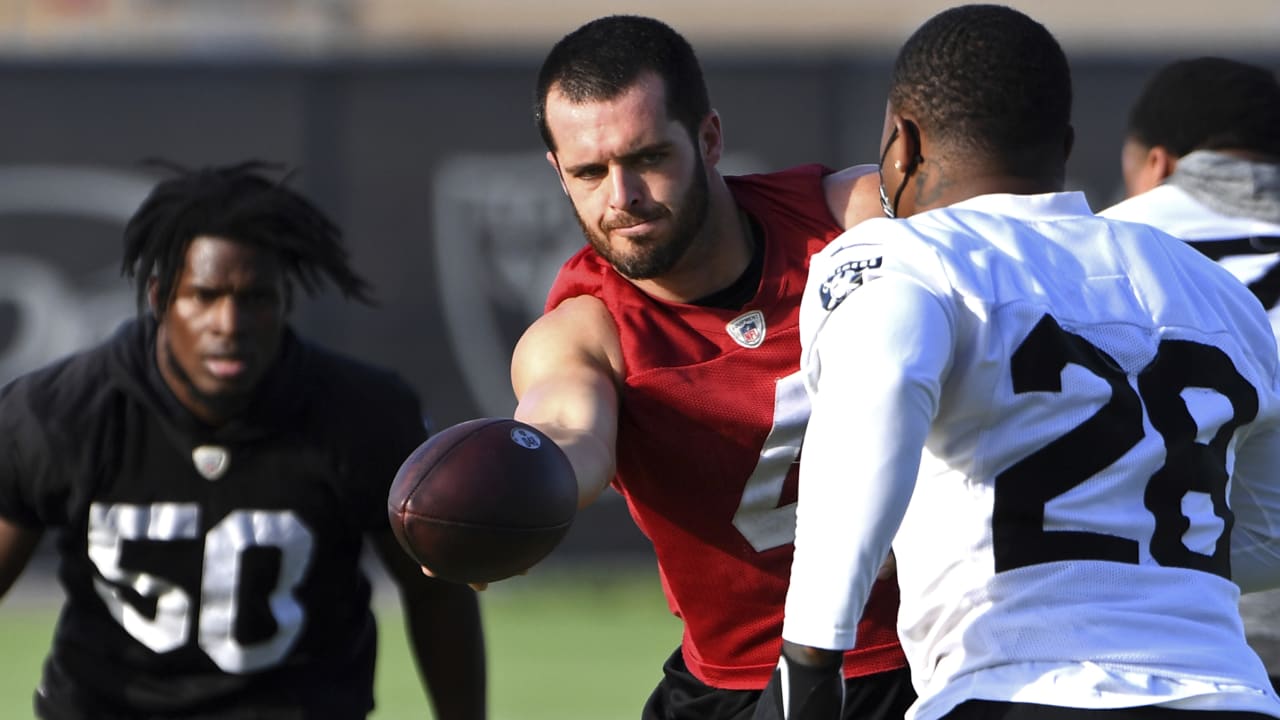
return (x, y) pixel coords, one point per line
(213, 476)
(667, 360)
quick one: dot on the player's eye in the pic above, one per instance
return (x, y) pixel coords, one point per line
(651, 159)
(259, 298)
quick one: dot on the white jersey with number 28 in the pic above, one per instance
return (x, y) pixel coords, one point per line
(1100, 474)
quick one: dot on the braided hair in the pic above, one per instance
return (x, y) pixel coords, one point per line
(988, 82)
(240, 203)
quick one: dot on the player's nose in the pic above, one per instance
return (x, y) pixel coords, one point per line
(229, 315)
(625, 188)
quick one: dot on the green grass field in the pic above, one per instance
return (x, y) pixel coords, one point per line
(563, 644)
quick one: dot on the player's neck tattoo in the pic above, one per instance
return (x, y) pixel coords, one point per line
(928, 193)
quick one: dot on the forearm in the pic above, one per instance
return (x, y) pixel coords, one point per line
(579, 412)
(442, 622)
(17, 543)
(871, 414)
(591, 459)
(447, 640)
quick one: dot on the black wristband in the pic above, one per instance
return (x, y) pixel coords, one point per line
(802, 692)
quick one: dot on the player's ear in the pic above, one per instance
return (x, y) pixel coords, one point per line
(555, 165)
(894, 153)
(153, 295)
(710, 139)
(912, 145)
(1160, 163)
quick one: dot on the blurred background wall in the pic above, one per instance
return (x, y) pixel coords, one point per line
(408, 120)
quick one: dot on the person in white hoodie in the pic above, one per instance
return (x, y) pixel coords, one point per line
(1201, 161)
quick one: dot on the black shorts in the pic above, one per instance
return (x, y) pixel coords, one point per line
(681, 696)
(992, 710)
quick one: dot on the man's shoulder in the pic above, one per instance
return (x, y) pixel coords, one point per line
(1178, 213)
(342, 371)
(585, 273)
(800, 180)
(789, 205)
(64, 387)
(1151, 205)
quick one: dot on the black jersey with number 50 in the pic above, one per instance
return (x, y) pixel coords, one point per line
(209, 572)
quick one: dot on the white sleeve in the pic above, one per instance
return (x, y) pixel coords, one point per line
(876, 366)
(1255, 501)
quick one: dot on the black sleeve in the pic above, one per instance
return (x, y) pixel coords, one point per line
(30, 493)
(14, 505)
(384, 425)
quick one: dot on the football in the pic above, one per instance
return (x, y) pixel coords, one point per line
(483, 500)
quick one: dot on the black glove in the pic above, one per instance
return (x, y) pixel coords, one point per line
(801, 690)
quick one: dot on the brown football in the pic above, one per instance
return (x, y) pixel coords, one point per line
(483, 500)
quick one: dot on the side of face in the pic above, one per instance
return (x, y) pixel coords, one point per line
(637, 182)
(900, 150)
(222, 329)
(1143, 166)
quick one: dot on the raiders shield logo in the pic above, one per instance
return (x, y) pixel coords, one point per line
(844, 280)
(747, 329)
(211, 461)
(59, 307)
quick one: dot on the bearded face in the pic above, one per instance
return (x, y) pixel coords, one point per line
(636, 178)
(645, 243)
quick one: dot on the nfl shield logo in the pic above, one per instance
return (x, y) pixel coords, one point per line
(525, 439)
(211, 461)
(748, 329)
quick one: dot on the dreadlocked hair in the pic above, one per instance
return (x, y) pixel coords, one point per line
(990, 82)
(238, 203)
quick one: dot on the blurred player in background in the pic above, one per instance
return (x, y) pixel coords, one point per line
(1201, 161)
(667, 360)
(1067, 427)
(213, 474)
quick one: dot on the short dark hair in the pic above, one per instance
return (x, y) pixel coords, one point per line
(988, 80)
(238, 203)
(604, 58)
(1209, 103)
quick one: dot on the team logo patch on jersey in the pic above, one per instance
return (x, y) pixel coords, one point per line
(844, 280)
(211, 461)
(525, 439)
(747, 329)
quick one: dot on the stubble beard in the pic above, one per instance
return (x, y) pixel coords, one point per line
(649, 256)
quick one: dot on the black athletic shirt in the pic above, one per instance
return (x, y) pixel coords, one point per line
(239, 596)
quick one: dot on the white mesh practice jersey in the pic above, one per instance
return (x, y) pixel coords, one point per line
(1098, 412)
(1176, 212)
(1228, 240)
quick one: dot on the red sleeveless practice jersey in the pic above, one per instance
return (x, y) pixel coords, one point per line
(712, 415)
